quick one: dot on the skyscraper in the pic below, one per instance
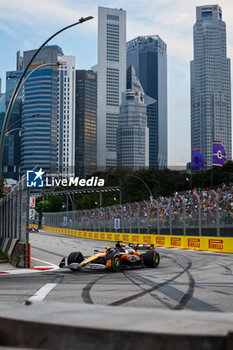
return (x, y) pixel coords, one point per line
(85, 123)
(66, 115)
(48, 137)
(132, 132)
(210, 83)
(111, 82)
(148, 55)
(39, 137)
(12, 147)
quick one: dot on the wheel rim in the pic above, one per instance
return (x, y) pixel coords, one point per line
(117, 262)
(156, 259)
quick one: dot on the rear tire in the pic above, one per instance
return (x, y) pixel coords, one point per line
(152, 259)
(75, 257)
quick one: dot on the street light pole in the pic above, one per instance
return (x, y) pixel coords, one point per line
(16, 90)
(9, 130)
(137, 177)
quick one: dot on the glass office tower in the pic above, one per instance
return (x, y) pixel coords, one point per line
(85, 123)
(39, 137)
(210, 84)
(12, 144)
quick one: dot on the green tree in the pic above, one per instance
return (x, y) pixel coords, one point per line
(43, 207)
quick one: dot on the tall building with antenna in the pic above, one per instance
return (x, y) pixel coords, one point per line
(210, 83)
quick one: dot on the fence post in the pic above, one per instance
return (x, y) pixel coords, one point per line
(88, 220)
(10, 215)
(184, 219)
(7, 219)
(139, 230)
(19, 211)
(199, 214)
(85, 220)
(157, 205)
(217, 213)
(1, 218)
(122, 220)
(114, 217)
(130, 226)
(98, 220)
(95, 221)
(147, 219)
(79, 215)
(82, 221)
(104, 215)
(170, 215)
(14, 213)
(109, 219)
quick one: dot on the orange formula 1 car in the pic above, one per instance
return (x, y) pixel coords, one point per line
(114, 258)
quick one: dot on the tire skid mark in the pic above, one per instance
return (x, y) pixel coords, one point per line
(188, 294)
(86, 292)
(144, 289)
(156, 285)
(190, 290)
(47, 251)
(226, 268)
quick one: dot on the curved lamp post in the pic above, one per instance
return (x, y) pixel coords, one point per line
(17, 88)
(12, 127)
(137, 177)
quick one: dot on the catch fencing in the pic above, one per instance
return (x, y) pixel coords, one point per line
(14, 213)
(209, 213)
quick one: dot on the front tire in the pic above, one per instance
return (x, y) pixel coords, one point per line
(75, 257)
(152, 259)
(116, 262)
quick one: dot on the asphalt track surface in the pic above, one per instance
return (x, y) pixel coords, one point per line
(192, 280)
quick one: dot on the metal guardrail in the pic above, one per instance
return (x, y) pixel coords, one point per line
(208, 213)
(14, 213)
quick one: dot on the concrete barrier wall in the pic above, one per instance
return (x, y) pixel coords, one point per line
(18, 253)
(220, 245)
(51, 325)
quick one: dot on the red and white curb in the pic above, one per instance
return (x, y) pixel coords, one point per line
(41, 268)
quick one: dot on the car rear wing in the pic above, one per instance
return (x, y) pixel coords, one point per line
(137, 246)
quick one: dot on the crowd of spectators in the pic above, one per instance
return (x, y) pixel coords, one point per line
(187, 206)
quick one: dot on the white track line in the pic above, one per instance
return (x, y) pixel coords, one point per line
(36, 269)
(45, 262)
(42, 292)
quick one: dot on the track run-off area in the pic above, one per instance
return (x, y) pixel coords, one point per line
(185, 279)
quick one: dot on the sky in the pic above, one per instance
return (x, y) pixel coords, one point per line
(26, 24)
